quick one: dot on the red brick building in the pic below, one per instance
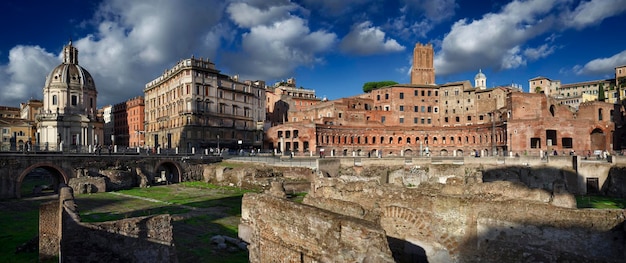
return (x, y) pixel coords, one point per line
(129, 119)
(453, 119)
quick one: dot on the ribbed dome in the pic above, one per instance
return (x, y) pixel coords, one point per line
(480, 75)
(70, 73)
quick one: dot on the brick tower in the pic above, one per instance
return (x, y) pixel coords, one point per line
(423, 71)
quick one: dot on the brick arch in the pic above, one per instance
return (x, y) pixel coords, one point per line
(179, 170)
(416, 220)
(64, 176)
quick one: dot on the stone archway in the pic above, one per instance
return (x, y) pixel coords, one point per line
(408, 152)
(168, 170)
(59, 176)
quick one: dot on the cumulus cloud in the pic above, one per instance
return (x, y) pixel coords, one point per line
(133, 43)
(593, 12)
(246, 15)
(276, 50)
(496, 39)
(501, 40)
(602, 66)
(24, 75)
(365, 39)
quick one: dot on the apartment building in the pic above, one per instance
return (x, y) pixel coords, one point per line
(193, 106)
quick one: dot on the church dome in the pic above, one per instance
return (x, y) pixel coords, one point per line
(480, 75)
(70, 73)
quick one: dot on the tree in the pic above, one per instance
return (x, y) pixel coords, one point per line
(538, 89)
(369, 86)
(601, 92)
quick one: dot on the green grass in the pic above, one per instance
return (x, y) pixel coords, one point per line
(20, 223)
(297, 197)
(600, 202)
(192, 231)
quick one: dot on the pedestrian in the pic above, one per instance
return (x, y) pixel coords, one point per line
(110, 148)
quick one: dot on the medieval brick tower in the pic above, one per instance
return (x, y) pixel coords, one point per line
(423, 71)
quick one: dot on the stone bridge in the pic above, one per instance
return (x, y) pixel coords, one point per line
(15, 167)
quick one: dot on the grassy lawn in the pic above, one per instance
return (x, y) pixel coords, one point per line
(600, 202)
(20, 223)
(219, 214)
(199, 211)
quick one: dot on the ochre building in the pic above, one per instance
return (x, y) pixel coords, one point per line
(193, 106)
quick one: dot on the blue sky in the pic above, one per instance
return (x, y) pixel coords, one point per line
(330, 46)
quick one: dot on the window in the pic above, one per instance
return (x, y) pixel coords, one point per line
(378, 97)
(428, 120)
(481, 117)
(416, 108)
(535, 143)
(599, 114)
(423, 108)
(430, 109)
(401, 95)
(458, 118)
(382, 119)
(429, 93)
(469, 118)
(415, 93)
(415, 120)
(445, 119)
(386, 96)
(74, 100)
(401, 107)
(422, 121)
(280, 134)
(401, 119)
(54, 100)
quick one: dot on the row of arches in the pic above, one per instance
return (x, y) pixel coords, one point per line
(323, 139)
(45, 178)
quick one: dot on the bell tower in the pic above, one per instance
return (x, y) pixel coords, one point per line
(423, 71)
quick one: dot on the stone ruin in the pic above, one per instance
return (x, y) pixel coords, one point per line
(62, 235)
(352, 219)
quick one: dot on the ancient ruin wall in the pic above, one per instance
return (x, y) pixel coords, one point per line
(150, 237)
(490, 222)
(279, 230)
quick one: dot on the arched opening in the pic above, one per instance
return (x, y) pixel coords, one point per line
(598, 139)
(552, 110)
(443, 152)
(40, 179)
(459, 152)
(168, 172)
(408, 152)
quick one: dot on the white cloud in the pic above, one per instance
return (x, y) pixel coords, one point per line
(25, 74)
(246, 15)
(133, 43)
(602, 66)
(365, 39)
(275, 51)
(539, 52)
(496, 39)
(594, 12)
(501, 40)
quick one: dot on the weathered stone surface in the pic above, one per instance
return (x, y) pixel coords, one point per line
(150, 237)
(489, 222)
(88, 184)
(119, 179)
(322, 236)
